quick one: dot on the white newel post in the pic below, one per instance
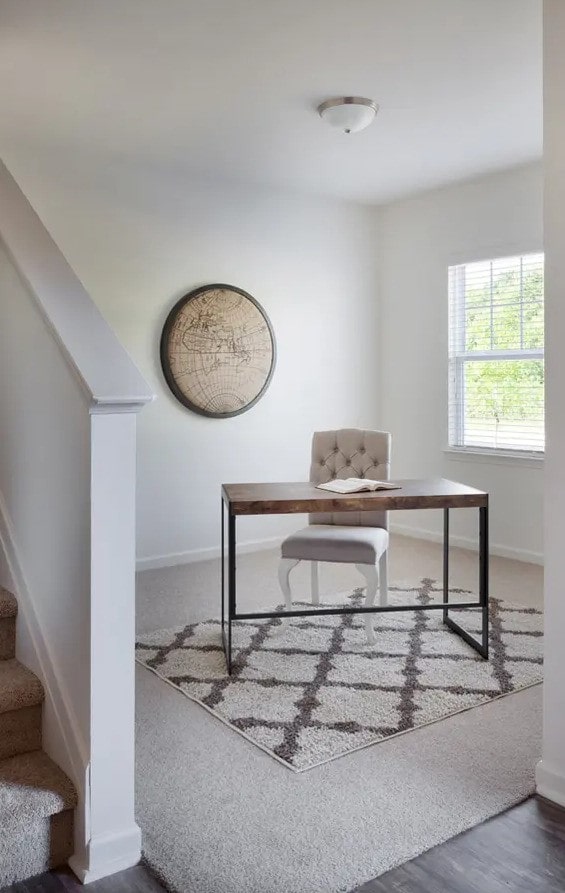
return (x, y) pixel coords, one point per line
(550, 775)
(111, 840)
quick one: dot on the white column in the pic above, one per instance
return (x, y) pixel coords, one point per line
(112, 840)
(550, 775)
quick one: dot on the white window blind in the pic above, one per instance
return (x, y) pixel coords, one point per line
(496, 359)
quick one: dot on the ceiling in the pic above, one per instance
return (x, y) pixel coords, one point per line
(229, 88)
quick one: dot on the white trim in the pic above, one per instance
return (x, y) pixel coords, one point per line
(420, 533)
(125, 404)
(113, 840)
(466, 542)
(550, 783)
(474, 356)
(103, 367)
(459, 356)
(68, 729)
(207, 554)
(108, 854)
(493, 251)
(496, 457)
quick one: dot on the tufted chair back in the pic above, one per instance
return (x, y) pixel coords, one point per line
(350, 453)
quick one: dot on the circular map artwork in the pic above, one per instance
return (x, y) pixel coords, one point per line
(218, 350)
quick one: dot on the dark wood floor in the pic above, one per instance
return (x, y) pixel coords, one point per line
(520, 851)
(134, 880)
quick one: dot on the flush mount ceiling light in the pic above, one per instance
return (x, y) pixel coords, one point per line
(348, 113)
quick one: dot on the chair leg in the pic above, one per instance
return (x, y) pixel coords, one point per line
(383, 579)
(315, 585)
(285, 567)
(371, 574)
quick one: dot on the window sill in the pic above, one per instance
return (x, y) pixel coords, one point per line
(494, 457)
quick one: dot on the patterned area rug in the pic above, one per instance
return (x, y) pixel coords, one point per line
(310, 690)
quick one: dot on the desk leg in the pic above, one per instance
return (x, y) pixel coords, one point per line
(223, 569)
(231, 588)
(482, 646)
(484, 577)
(227, 620)
(445, 561)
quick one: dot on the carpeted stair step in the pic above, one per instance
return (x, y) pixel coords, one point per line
(8, 613)
(21, 699)
(36, 817)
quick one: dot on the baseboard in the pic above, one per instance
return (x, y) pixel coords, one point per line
(464, 542)
(550, 784)
(190, 557)
(108, 854)
(67, 749)
(419, 533)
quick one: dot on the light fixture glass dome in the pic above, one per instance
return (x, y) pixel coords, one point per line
(348, 113)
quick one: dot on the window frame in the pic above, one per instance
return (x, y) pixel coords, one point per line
(458, 357)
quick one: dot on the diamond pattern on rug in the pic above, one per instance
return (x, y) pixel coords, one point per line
(308, 690)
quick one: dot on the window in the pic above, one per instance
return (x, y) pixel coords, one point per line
(496, 365)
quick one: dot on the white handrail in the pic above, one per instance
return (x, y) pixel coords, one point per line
(109, 377)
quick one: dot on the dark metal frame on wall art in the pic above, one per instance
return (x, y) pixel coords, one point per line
(167, 372)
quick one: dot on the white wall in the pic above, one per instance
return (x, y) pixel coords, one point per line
(45, 442)
(419, 238)
(551, 770)
(139, 240)
(358, 302)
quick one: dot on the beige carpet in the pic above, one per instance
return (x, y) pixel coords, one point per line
(220, 816)
(309, 690)
(37, 800)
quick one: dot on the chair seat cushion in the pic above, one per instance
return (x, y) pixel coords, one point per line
(334, 542)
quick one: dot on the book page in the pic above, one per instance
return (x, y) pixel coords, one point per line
(356, 485)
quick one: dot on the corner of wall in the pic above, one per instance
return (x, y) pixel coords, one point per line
(550, 783)
(378, 230)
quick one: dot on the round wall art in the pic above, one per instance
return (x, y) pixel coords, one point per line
(218, 351)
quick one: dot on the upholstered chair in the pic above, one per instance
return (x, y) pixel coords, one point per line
(359, 538)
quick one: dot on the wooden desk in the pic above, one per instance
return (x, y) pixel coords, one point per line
(288, 498)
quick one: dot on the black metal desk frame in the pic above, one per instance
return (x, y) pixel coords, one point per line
(480, 645)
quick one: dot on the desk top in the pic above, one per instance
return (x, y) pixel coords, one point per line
(287, 498)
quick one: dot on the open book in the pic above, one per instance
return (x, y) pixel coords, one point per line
(357, 485)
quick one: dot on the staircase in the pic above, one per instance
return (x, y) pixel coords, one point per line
(36, 797)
